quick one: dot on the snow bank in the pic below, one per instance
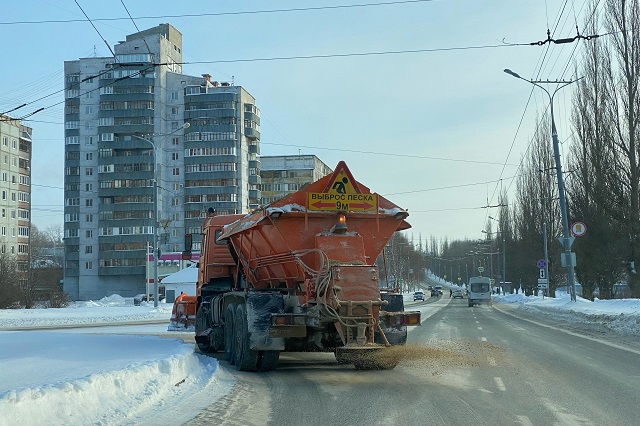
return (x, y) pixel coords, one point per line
(108, 310)
(103, 379)
(621, 315)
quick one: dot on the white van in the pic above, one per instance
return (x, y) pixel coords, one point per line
(479, 290)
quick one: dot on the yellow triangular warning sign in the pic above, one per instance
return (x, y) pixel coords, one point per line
(342, 182)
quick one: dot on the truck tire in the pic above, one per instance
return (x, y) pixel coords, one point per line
(246, 359)
(202, 323)
(268, 360)
(229, 339)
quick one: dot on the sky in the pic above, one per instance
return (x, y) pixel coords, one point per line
(101, 376)
(411, 94)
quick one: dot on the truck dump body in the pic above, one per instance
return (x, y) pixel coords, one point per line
(303, 277)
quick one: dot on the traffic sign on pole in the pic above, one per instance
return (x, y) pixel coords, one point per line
(542, 264)
(578, 229)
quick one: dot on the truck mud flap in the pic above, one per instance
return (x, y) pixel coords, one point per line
(396, 335)
(260, 306)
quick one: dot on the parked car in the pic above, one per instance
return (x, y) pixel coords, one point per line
(418, 295)
(457, 294)
(139, 298)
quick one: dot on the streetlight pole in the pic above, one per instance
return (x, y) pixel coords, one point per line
(156, 222)
(567, 240)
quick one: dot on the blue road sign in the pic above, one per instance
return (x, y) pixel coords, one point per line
(542, 263)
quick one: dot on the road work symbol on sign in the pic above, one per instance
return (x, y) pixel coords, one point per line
(342, 182)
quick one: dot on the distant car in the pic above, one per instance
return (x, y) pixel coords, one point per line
(434, 293)
(418, 295)
(139, 298)
(458, 294)
(438, 288)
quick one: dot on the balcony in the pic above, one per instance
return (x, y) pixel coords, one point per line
(251, 133)
(255, 180)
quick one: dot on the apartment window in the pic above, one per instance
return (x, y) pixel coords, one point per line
(14, 144)
(107, 137)
(175, 141)
(88, 249)
(175, 156)
(71, 217)
(89, 218)
(69, 125)
(4, 232)
(175, 201)
(88, 109)
(174, 110)
(13, 214)
(89, 156)
(4, 213)
(89, 233)
(88, 140)
(176, 171)
(4, 195)
(5, 141)
(88, 187)
(89, 202)
(4, 177)
(88, 265)
(72, 140)
(89, 171)
(73, 201)
(13, 179)
(174, 96)
(13, 196)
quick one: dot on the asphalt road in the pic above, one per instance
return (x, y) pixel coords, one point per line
(463, 366)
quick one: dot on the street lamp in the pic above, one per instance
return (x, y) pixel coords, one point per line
(567, 240)
(156, 223)
(504, 253)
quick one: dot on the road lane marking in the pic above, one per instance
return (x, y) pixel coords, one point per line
(500, 384)
(492, 361)
(484, 339)
(477, 322)
(479, 328)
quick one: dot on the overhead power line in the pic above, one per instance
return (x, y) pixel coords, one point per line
(247, 12)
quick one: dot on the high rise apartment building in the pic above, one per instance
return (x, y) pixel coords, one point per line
(283, 174)
(133, 118)
(15, 189)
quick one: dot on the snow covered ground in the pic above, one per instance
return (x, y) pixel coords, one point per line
(98, 376)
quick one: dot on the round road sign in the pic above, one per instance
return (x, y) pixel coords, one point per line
(542, 264)
(578, 229)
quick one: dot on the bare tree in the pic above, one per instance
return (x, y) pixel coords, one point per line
(623, 24)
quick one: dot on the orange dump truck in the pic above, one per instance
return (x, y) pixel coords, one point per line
(300, 275)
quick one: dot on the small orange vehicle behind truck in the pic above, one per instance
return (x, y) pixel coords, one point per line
(299, 275)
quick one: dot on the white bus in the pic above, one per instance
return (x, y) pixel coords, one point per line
(479, 290)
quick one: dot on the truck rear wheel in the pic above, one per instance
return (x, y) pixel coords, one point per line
(229, 339)
(246, 359)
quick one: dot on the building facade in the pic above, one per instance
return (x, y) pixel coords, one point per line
(134, 119)
(284, 174)
(15, 189)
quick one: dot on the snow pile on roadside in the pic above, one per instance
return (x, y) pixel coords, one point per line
(108, 310)
(621, 315)
(104, 380)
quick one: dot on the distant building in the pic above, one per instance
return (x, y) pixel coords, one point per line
(15, 189)
(120, 113)
(282, 175)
